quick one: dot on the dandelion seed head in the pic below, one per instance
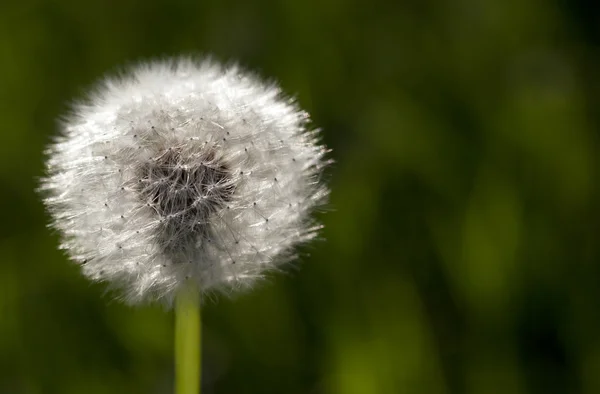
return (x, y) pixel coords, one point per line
(183, 171)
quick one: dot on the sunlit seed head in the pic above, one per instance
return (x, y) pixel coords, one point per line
(183, 172)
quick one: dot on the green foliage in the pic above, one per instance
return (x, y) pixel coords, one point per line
(461, 254)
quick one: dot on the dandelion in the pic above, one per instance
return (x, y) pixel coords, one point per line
(183, 171)
(182, 175)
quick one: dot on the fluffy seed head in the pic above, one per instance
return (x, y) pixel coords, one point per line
(180, 172)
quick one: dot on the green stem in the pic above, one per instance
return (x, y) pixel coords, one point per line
(187, 343)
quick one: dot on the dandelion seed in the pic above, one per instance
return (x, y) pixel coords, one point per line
(190, 169)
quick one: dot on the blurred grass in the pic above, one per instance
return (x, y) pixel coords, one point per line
(461, 251)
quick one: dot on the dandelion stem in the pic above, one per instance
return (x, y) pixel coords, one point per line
(187, 343)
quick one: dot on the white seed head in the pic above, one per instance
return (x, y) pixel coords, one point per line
(183, 171)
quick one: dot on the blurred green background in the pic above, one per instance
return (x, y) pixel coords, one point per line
(461, 251)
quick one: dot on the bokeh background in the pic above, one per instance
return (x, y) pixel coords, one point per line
(462, 246)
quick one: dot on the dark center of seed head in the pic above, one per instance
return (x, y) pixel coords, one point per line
(184, 195)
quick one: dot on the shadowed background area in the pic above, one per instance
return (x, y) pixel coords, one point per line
(461, 251)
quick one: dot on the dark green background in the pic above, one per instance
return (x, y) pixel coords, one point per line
(461, 251)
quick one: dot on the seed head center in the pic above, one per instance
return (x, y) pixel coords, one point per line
(184, 193)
